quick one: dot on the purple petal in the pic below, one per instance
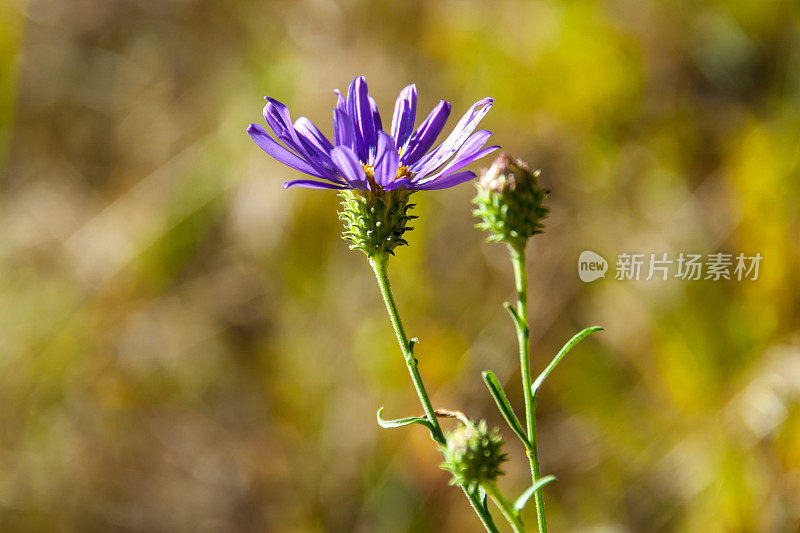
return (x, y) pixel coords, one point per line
(405, 113)
(358, 109)
(461, 132)
(426, 134)
(341, 102)
(351, 168)
(315, 144)
(376, 117)
(278, 152)
(451, 180)
(469, 152)
(312, 184)
(278, 118)
(471, 158)
(305, 128)
(399, 184)
(343, 134)
(461, 162)
(386, 160)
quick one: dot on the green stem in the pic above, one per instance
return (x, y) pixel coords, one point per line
(480, 510)
(523, 336)
(504, 505)
(378, 264)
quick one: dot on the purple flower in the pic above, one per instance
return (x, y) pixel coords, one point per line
(363, 156)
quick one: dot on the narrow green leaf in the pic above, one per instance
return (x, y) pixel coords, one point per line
(525, 496)
(400, 422)
(496, 390)
(514, 315)
(560, 355)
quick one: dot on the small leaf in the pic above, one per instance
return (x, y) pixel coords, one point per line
(518, 322)
(525, 496)
(496, 390)
(400, 422)
(560, 355)
(513, 312)
(411, 344)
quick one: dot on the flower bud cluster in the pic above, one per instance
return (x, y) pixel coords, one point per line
(473, 455)
(509, 201)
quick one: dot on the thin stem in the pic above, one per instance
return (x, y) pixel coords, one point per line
(505, 506)
(378, 264)
(480, 510)
(523, 336)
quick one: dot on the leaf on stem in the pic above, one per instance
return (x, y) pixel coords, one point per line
(411, 344)
(525, 496)
(400, 422)
(560, 355)
(496, 390)
(515, 316)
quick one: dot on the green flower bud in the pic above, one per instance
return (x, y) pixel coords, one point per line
(509, 202)
(473, 455)
(375, 221)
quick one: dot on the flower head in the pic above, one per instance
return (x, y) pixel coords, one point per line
(473, 455)
(363, 156)
(509, 201)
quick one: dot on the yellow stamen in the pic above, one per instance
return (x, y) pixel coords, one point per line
(369, 170)
(402, 172)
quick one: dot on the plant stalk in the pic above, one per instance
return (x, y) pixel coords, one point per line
(480, 510)
(523, 337)
(378, 264)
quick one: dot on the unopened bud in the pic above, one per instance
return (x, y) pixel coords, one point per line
(473, 455)
(509, 201)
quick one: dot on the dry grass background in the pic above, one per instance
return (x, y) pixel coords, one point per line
(184, 346)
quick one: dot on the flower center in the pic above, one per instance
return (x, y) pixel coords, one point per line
(369, 170)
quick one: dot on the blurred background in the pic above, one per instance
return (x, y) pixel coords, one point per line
(185, 346)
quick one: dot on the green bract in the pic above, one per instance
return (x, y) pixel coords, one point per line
(375, 221)
(509, 202)
(473, 455)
